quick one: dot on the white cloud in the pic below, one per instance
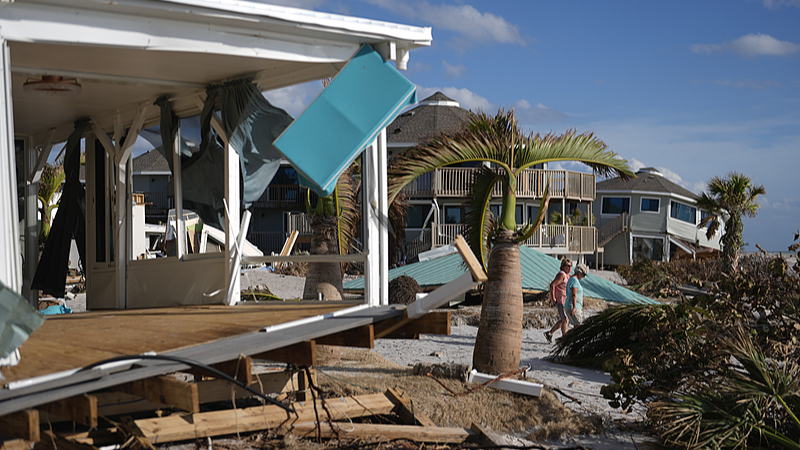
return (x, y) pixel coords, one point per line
(464, 20)
(531, 116)
(294, 99)
(454, 70)
(756, 84)
(466, 98)
(750, 45)
(775, 4)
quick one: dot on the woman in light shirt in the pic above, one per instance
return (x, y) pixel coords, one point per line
(573, 307)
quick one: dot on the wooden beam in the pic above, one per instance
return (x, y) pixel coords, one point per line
(23, 425)
(81, 409)
(302, 354)
(404, 407)
(490, 438)
(240, 368)
(288, 246)
(165, 390)
(474, 266)
(216, 423)
(266, 383)
(363, 337)
(304, 385)
(437, 322)
(437, 435)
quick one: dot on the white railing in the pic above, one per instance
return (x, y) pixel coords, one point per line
(455, 182)
(572, 239)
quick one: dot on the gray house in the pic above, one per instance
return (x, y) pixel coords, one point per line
(649, 217)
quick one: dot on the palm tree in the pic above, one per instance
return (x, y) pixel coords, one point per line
(733, 196)
(49, 185)
(500, 141)
(333, 222)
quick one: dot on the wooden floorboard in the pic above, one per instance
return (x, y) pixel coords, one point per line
(220, 342)
(76, 340)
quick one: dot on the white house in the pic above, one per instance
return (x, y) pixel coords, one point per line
(649, 217)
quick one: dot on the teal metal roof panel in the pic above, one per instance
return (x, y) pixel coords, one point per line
(538, 270)
(366, 95)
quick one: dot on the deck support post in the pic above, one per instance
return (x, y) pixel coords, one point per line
(233, 278)
(10, 267)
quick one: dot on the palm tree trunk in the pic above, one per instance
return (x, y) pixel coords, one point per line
(499, 340)
(323, 277)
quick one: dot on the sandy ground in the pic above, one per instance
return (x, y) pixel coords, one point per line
(581, 385)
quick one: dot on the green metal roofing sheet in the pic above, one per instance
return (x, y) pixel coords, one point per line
(538, 270)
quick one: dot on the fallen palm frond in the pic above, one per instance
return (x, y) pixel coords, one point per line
(751, 402)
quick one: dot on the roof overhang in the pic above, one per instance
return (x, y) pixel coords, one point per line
(126, 53)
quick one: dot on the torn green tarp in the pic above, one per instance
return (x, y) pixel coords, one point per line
(366, 95)
(251, 123)
(18, 320)
(69, 223)
(538, 270)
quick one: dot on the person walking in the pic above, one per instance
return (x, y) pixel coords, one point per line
(573, 307)
(558, 295)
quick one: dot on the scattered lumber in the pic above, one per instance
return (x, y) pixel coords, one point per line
(437, 435)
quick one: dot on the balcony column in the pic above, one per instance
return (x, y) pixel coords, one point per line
(11, 267)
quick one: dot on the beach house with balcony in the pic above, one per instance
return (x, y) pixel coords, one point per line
(649, 217)
(437, 198)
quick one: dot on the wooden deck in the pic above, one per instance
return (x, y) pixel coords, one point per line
(76, 340)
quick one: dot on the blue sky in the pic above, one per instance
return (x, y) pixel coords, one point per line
(693, 88)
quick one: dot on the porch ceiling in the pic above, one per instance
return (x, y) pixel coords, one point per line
(127, 53)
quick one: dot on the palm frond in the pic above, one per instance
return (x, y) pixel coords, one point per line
(347, 209)
(531, 228)
(478, 224)
(570, 146)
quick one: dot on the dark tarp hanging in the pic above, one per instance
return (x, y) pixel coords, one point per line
(69, 223)
(252, 124)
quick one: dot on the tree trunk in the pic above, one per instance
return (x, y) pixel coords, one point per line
(323, 277)
(499, 340)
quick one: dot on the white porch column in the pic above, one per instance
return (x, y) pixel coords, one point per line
(233, 277)
(383, 211)
(10, 263)
(375, 211)
(177, 183)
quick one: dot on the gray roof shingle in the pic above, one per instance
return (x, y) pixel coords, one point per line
(646, 181)
(436, 114)
(152, 161)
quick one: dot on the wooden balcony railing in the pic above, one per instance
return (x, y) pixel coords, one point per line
(156, 203)
(282, 196)
(571, 239)
(455, 181)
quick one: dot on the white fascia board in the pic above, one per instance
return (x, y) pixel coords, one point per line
(661, 194)
(152, 172)
(48, 24)
(401, 144)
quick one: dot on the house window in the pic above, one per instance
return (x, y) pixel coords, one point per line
(452, 215)
(616, 205)
(703, 215)
(683, 212)
(648, 248)
(518, 217)
(649, 205)
(495, 209)
(416, 215)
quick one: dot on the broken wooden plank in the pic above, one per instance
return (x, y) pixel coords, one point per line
(267, 383)
(302, 354)
(16, 444)
(404, 407)
(215, 423)
(52, 441)
(436, 322)
(362, 337)
(438, 435)
(165, 390)
(81, 409)
(506, 384)
(23, 425)
(474, 266)
(489, 437)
